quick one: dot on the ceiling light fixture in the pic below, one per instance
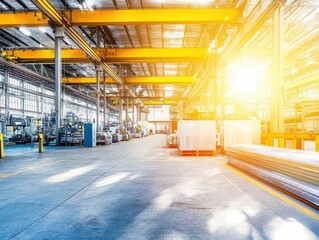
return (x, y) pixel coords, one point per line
(25, 31)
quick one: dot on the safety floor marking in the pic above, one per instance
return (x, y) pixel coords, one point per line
(6, 175)
(274, 193)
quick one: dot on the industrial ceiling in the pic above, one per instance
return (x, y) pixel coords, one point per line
(156, 40)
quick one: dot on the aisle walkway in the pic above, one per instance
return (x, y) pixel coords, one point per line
(138, 190)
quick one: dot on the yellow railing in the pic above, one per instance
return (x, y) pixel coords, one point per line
(268, 139)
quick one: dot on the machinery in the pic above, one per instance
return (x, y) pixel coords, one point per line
(21, 128)
(72, 130)
(49, 123)
(104, 138)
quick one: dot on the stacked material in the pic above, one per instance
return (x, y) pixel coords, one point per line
(197, 135)
(294, 171)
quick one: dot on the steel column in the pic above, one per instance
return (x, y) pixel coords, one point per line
(133, 115)
(59, 34)
(42, 92)
(277, 106)
(120, 108)
(104, 101)
(6, 100)
(138, 116)
(22, 103)
(98, 72)
(126, 114)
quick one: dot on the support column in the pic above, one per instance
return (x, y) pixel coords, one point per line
(59, 34)
(104, 101)
(277, 106)
(98, 72)
(133, 115)
(42, 92)
(22, 99)
(126, 114)
(87, 111)
(222, 97)
(6, 100)
(120, 107)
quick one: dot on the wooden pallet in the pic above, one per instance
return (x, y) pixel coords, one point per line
(197, 153)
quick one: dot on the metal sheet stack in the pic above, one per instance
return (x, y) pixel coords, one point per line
(295, 171)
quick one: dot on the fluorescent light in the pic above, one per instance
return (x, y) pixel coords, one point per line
(42, 29)
(310, 62)
(25, 31)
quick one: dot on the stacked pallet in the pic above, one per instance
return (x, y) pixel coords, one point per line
(294, 171)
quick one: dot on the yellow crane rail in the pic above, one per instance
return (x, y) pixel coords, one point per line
(150, 80)
(110, 55)
(124, 17)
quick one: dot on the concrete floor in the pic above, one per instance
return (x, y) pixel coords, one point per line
(137, 190)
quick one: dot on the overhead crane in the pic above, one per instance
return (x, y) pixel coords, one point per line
(136, 80)
(122, 17)
(109, 55)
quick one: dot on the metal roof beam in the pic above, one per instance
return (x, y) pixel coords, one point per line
(114, 55)
(178, 80)
(59, 19)
(123, 17)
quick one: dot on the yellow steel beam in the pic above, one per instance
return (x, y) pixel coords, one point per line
(125, 17)
(25, 19)
(85, 80)
(179, 80)
(114, 55)
(152, 16)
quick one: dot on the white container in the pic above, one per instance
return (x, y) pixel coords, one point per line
(197, 135)
(240, 132)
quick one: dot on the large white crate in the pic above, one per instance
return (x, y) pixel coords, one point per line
(197, 135)
(240, 132)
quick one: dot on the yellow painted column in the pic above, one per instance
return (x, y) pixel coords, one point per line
(269, 141)
(40, 143)
(317, 143)
(297, 144)
(1, 146)
(281, 142)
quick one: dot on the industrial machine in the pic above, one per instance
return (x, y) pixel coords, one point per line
(72, 130)
(104, 138)
(21, 129)
(89, 135)
(49, 123)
